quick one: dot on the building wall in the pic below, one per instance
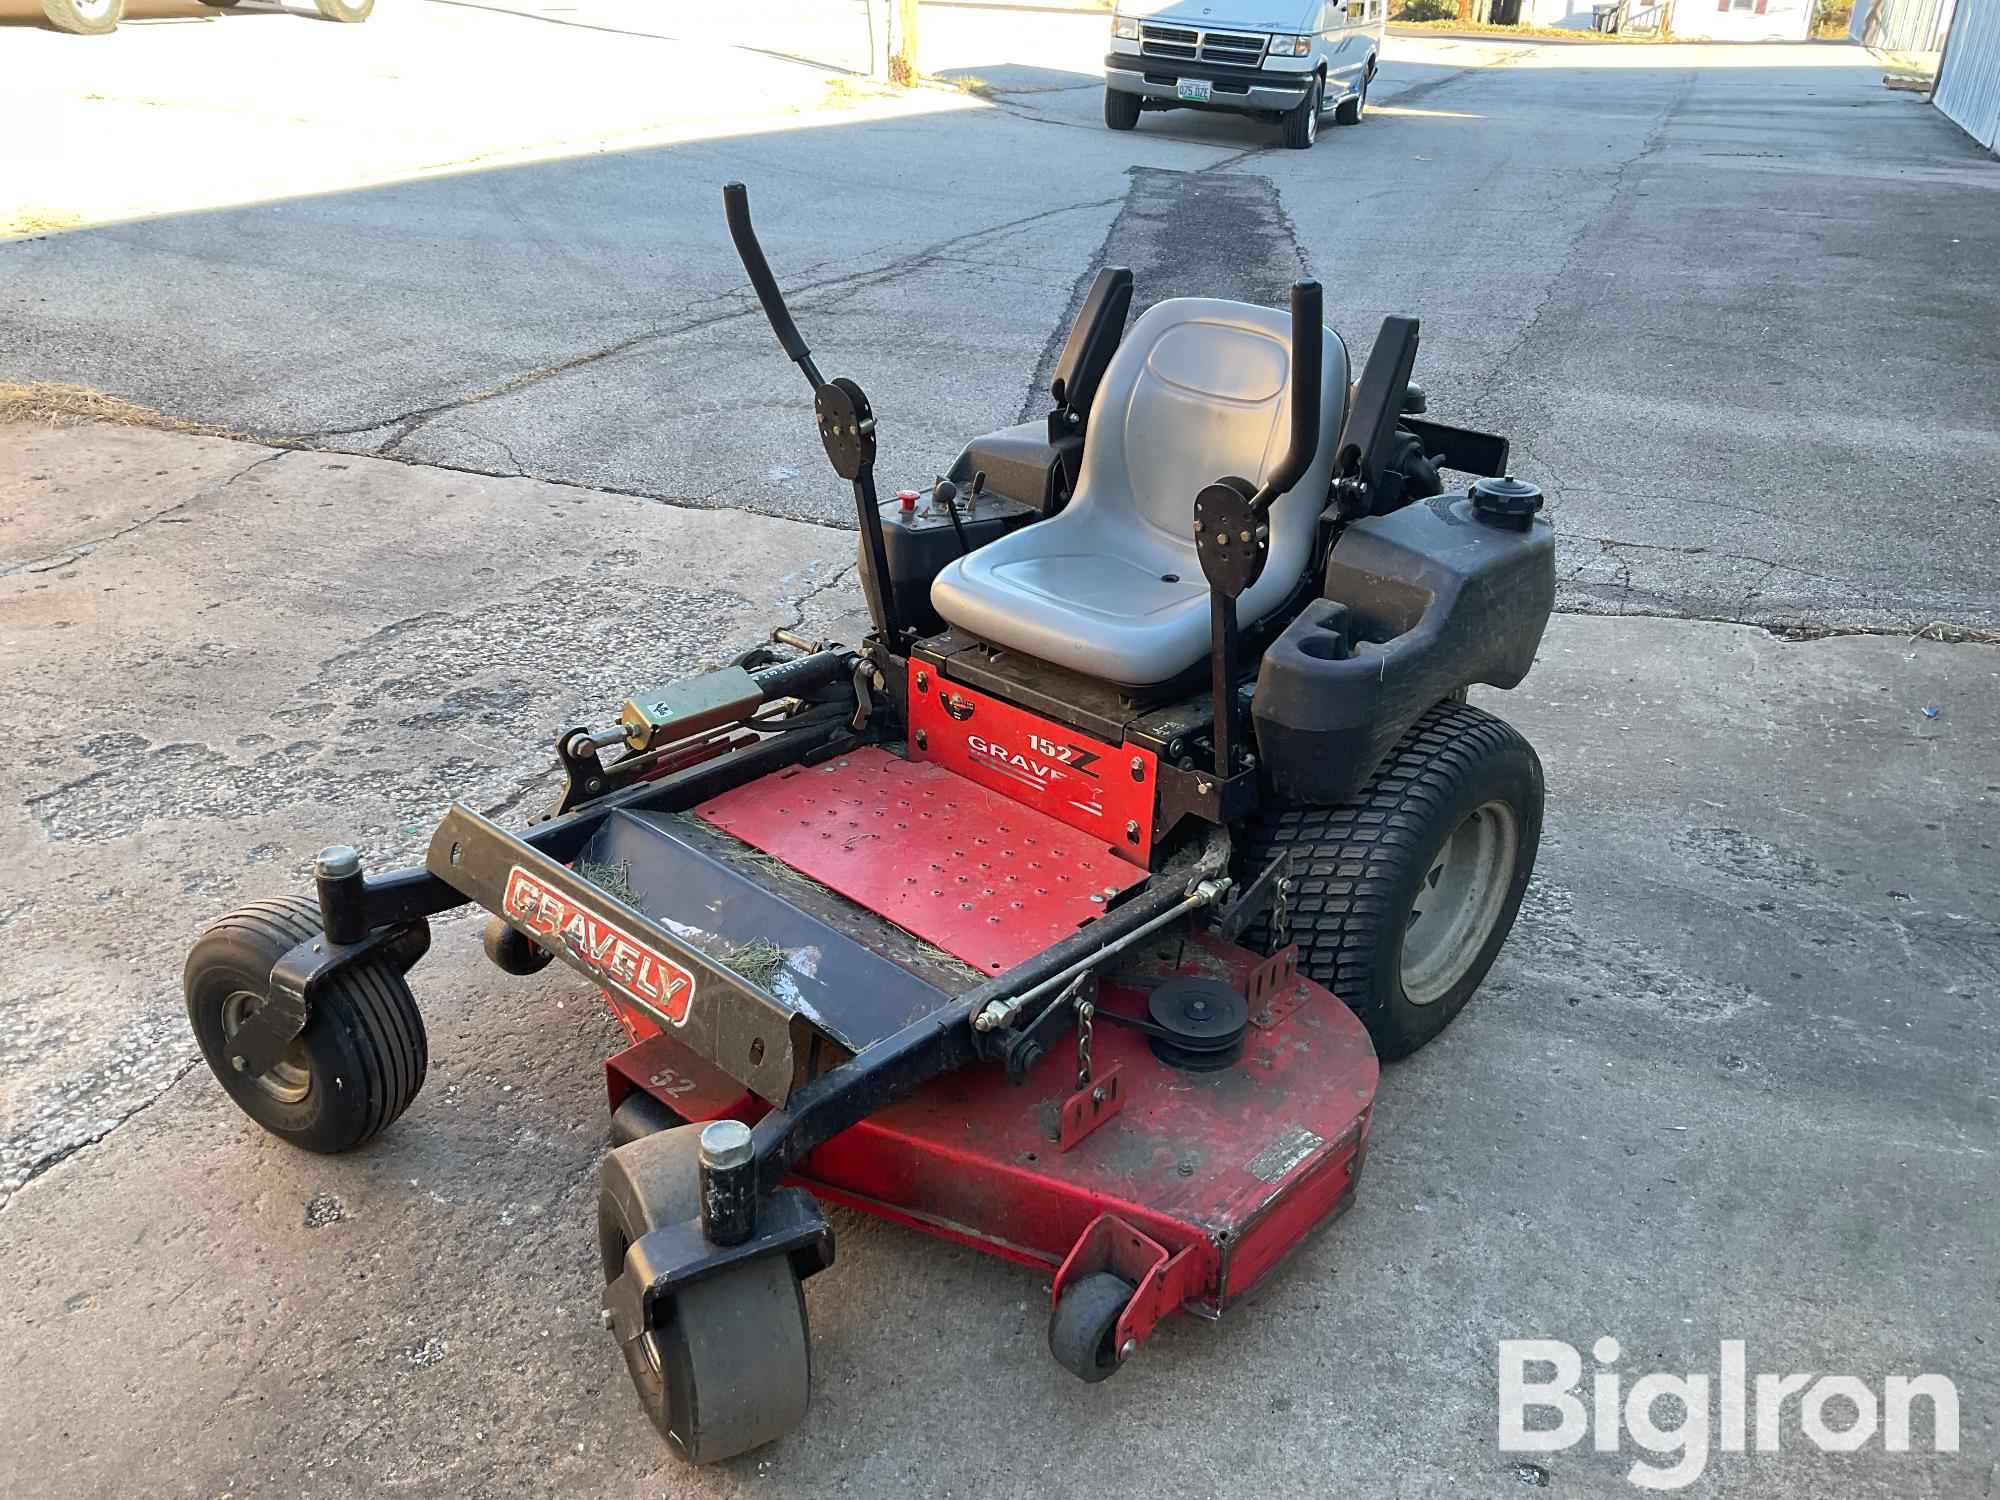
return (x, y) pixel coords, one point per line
(1898, 29)
(1968, 82)
(1572, 13)
(1742, 20)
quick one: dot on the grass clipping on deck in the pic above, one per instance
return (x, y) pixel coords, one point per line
(760, 961)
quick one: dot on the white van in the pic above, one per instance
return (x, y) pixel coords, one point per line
(1292, 61)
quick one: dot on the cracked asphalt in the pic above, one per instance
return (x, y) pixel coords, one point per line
(515, 444)
(1733, 305)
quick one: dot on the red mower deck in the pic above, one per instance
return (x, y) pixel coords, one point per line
(1224, 1172)
(983, 877)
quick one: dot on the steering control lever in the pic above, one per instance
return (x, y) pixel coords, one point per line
(840, 408)
(1232, 531)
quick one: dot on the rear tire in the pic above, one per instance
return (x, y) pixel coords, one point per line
(345, 10)
(1353, 111)
(1445, 831)
(354, 1069)
(1302, 120)
(1121, 110)
(731, 1368)
(84, 17)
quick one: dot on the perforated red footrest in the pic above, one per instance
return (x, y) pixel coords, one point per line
(984, 878)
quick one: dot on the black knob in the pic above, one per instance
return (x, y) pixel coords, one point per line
(1508, 502)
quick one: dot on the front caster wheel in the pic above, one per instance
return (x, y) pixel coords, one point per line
(350, 1073)
(729, 1367)
(1083, 1326)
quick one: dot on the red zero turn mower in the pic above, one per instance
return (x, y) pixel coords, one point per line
(1065, 917)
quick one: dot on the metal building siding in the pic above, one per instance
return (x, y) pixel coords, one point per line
(1901, 26)
(1968, 85)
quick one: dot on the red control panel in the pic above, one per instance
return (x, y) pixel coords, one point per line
(1106, 791)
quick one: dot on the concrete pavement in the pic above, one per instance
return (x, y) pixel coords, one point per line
(1730, 302)
(1731, 1078)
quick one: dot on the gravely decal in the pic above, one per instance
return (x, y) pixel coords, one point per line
(1051, 765)
(662, 986)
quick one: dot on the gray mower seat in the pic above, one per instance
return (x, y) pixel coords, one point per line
(1111, 586)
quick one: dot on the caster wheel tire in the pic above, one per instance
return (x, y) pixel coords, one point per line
(513, 951)
(639, 1116)
(730, 1368)
(1353, 111)
(1121, 110)
(1302, 120)
(345, 10)
(1084, 1324)
(84, 17)
(1402, 898)
(353, 1070)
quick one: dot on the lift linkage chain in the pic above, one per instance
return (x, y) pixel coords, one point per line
(1083, 991)
(1281, 910)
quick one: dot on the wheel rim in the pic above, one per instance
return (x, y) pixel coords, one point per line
(94, 10)
(288, 1080)
(1312, 115)
(1459, 902)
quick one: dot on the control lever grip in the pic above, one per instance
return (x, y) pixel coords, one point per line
(1308, 342)
(736, 206)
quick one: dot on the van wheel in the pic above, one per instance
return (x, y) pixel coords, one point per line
(84, 17)
(1353, 111)
(1121, 110)
(1302, 120)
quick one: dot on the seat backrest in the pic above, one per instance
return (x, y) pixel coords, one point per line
(1198, 391)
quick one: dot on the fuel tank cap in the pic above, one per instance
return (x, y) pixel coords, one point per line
(1508, 502)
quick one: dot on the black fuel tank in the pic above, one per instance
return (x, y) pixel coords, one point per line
(1417, 604)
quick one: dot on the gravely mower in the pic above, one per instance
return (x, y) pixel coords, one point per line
(1066, 916)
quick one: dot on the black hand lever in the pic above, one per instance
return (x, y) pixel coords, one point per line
(736, 205)
(1307, 342)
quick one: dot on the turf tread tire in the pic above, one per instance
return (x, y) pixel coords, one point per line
(1355, 864)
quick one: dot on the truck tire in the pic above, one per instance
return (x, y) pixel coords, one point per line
(1352, 111)
(1121, 110)
(1444, 832)
(84, 17)
(1302, 120)
(345, 10)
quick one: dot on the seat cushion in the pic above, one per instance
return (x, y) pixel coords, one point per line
(1113, 603)
(1112, 587)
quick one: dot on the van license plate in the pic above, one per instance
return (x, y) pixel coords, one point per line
(1196, 90)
